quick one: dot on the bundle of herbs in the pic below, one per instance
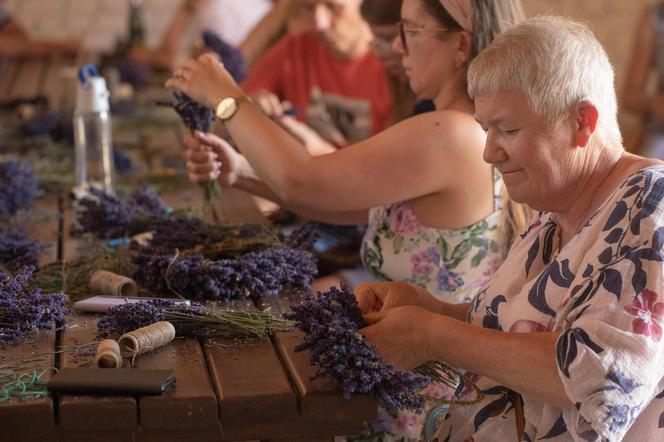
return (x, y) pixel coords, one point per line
(25, 310)
(16, 250)
(196, 117)
(330, 322)
(256, 262)
(193, 320)
(18, 186)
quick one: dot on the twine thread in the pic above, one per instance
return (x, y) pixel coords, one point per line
(146, 339)
(108, 354)
(112, 284)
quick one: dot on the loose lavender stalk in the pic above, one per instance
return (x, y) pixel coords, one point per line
(191, 320)
(330, 322)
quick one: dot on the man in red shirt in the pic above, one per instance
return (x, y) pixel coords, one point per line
(330, 75)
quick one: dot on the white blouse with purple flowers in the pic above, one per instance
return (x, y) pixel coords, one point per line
(604, 293)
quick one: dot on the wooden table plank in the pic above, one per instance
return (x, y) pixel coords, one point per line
(192, 404)
(44, 226)
(27, 84)
(88, 413)
(29, 419)
(253, 390)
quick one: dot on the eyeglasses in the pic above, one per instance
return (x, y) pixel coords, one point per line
(404, 28)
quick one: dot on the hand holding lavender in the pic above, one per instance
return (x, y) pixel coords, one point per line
(330, 322)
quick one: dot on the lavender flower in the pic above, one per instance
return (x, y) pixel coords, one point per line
(190, 320)
(304, 237)
(24, 310)
(108, 216)
(16, 250)
(195, 116)
(18, 186)
(231, 57)
(330, 322)
(261, 273)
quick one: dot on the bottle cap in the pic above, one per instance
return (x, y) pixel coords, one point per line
(91, 94)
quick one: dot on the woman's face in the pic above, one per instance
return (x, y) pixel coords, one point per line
(429, 59)
(382, 45)
(539, 163)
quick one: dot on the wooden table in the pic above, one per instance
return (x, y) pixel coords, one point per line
(225, 390)
(260, 389)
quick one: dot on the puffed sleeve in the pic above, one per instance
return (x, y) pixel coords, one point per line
(611, 350)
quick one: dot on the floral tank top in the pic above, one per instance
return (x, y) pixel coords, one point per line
(452, 264)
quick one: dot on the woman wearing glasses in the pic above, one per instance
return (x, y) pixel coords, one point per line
(438, 216)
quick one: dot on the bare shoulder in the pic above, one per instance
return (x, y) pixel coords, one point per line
(447, 127)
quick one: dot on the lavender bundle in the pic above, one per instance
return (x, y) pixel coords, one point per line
(330, 322)
(196, 117)
(108, 216)
(25, 310)
(18, 186)
(16, 250)
(259, 273)
(191, 320)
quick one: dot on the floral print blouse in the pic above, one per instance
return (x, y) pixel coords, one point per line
(603, 293)
(452, 264)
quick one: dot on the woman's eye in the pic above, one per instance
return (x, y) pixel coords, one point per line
(510, 132)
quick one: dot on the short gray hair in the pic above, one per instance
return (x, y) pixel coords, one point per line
(555, 62)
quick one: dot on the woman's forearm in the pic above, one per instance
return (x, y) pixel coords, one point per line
(524, 362)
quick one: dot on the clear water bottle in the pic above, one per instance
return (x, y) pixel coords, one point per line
(92, 133)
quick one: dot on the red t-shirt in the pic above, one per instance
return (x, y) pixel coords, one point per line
(354, 93)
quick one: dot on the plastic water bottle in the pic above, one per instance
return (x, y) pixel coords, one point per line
(92, 133)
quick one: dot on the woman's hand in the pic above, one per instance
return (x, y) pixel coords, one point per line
(381, 296)
(400, 335)
(211, 158)
(204, 80)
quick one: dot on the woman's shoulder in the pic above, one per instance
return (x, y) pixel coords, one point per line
(448, 126)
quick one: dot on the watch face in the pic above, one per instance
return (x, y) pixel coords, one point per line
(226, 108)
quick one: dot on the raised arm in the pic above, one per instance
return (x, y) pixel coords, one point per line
(417, 157)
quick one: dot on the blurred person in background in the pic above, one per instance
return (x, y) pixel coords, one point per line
(230, 20)
(329, 75)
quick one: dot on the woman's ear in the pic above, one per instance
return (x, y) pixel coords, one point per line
(586, 122)
(463, 50)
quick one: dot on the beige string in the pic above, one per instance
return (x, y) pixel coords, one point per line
(146, 339)
(108, 354)
(109, 283)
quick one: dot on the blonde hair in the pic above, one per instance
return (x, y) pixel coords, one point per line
(556, 63)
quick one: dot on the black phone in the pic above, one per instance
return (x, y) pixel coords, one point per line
(112, 381)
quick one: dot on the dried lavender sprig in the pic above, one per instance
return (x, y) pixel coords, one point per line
(261, 273)
(330, 322)
(108, 216)
(18, 186)
(191, 320)
(16, 250)
(196, 117)
(24, 310)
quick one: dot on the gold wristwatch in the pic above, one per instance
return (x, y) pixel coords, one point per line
(228, 106)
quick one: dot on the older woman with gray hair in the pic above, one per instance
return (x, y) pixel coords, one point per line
(565, 341)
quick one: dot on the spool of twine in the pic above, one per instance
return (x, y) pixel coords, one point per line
(146, 339)
(108, 354)
(109, 283)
